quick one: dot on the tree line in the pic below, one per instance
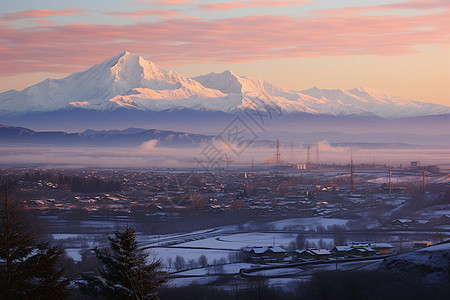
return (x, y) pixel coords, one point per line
(76, 184)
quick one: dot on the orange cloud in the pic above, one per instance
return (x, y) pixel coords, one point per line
(41, 13)
(251, 3)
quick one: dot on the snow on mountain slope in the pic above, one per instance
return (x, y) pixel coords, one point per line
(392, 106)
(125, 80)
(253, 89)
(131, 82)
(377, 103)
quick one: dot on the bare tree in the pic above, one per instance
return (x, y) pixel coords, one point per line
(180, 263)
(203, 261)
(192, 263)
(300, 241)
(339, 235)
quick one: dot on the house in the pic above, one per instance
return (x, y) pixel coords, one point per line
(403, 222)
(362, 251)
(277, 252)
(354, 249)
(263, 254)
(341, 251)
(381, 248)
(314, 254)
(422, 244)
(255, 254)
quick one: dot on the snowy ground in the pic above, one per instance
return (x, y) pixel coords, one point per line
(171, 253)
(430, 263)
(179, 282)
(308, 224)
(411, 178)
(227, 269)
(237, 241)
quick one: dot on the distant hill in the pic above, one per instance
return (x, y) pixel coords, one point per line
(10, 135)
(132, 137)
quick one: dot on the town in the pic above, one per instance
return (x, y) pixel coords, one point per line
(245, 220)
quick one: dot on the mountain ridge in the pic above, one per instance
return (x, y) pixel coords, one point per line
(133, 137)
(131, 82)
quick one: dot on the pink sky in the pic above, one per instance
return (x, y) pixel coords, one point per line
(397, 47)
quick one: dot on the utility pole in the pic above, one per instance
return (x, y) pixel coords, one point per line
(278, 155)
(308, 159)
(317, 155)
(390, 182)
(423, 180)
(352, 176)
(292, 153)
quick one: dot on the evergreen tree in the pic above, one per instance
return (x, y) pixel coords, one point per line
(28, 269)
(125, 271)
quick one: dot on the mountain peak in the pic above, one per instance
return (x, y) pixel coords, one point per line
(229, 73)
(226, 82)
(125, 53)
(365, 89)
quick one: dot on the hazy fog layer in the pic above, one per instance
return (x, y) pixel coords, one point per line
(149, 155)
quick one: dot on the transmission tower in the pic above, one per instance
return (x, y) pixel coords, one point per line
(317, 155)
(278, 155)
(352, 176)
(390, 182)
(308, 158)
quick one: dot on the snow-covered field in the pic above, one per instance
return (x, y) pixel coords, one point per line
(237, 241)
(74, 253)
(178, 282)
(171, 253)
(227, 269)
(308, 224)
(222, 242)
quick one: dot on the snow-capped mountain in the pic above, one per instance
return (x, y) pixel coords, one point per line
(128, 81)
(125, 80)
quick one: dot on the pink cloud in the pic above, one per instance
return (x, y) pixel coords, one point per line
(417, 4)
(176, 2)
(69, 48)
(41, 13)
(223, 6)
(213, 6)
(405, 5)
(147, 12)
(164, 2)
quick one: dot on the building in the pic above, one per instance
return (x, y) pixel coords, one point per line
(382, 248)
(314, 254)
(422, 244)
(263, 254)
(403, 222)
(363, 250)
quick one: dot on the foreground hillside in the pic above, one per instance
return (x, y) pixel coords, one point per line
(431, 264)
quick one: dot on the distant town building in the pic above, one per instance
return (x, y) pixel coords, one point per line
(263, 254)
(316, 254)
